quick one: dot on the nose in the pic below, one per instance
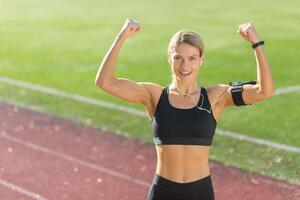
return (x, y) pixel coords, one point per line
(184, 64)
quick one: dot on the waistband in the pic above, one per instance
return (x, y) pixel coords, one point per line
(183, 140)
(159, 180)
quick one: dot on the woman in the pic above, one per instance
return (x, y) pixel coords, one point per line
(182, 117)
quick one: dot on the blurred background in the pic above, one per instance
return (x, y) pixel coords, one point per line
(55, 47)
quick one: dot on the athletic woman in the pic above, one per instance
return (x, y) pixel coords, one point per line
(183, 114)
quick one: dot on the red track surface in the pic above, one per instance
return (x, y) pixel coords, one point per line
(58, 159)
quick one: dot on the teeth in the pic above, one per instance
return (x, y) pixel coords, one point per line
(185, 73)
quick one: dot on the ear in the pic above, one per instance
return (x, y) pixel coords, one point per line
(202, 58)
(169, 58)
(203, 55)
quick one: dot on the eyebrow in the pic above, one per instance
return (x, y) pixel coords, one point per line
(190, 56)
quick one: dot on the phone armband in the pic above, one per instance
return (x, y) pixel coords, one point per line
(236, 91)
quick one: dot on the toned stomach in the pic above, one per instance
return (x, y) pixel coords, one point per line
(182, 163)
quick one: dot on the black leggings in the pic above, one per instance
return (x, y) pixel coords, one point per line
(162, 188)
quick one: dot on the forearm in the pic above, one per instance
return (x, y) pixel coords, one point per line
(108, 65)
(264, 75)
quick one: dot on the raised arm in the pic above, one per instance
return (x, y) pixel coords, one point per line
(122, 88)
(264, 88)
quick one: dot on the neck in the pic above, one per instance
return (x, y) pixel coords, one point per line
(184, 88)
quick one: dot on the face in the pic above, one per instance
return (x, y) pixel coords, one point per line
(185, 61)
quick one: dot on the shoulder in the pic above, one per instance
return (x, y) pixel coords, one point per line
(153, 89)
(217, 88)
(216, 91)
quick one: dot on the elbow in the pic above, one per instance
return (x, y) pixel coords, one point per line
(102, 83)
(99, 83)
(268, 94)
(271, 92)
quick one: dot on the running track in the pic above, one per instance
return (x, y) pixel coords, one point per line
(44, 157)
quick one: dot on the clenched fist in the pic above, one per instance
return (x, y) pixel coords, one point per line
(130, 28)
(247, 31)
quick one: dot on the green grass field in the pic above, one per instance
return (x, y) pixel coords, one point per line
(60, 44)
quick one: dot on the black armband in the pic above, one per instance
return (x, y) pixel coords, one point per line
(258, 44)
(236, 91)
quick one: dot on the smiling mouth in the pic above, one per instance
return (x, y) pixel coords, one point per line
(185, 74)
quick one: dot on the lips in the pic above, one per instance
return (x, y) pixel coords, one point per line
(185, 73)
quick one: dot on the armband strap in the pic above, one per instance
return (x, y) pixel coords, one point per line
(236, 91)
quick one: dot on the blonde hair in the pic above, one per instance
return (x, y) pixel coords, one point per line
(189, 37)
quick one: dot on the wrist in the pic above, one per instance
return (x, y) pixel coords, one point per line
(257, 44)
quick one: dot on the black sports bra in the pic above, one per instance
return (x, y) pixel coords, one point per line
(190, 126)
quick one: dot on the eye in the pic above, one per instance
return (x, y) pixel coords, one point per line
(176, 57)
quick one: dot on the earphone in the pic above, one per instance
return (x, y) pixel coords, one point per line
(209, 111)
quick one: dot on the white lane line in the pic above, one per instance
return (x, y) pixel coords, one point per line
(72, 159)
(75, 97)
(18, 189)
(258, 141)
(287, 90)
(88, 100)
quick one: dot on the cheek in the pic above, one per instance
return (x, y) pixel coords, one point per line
(196, 69)
(175, 64)
(176, 61)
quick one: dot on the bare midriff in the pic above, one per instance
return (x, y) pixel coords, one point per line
(182, 163)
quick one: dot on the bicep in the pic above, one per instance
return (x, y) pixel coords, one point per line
(250, 95)
(128, 90)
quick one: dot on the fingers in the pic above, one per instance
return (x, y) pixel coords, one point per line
(247, 31)
(245, 27)
(129, 28)
(134, 24)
